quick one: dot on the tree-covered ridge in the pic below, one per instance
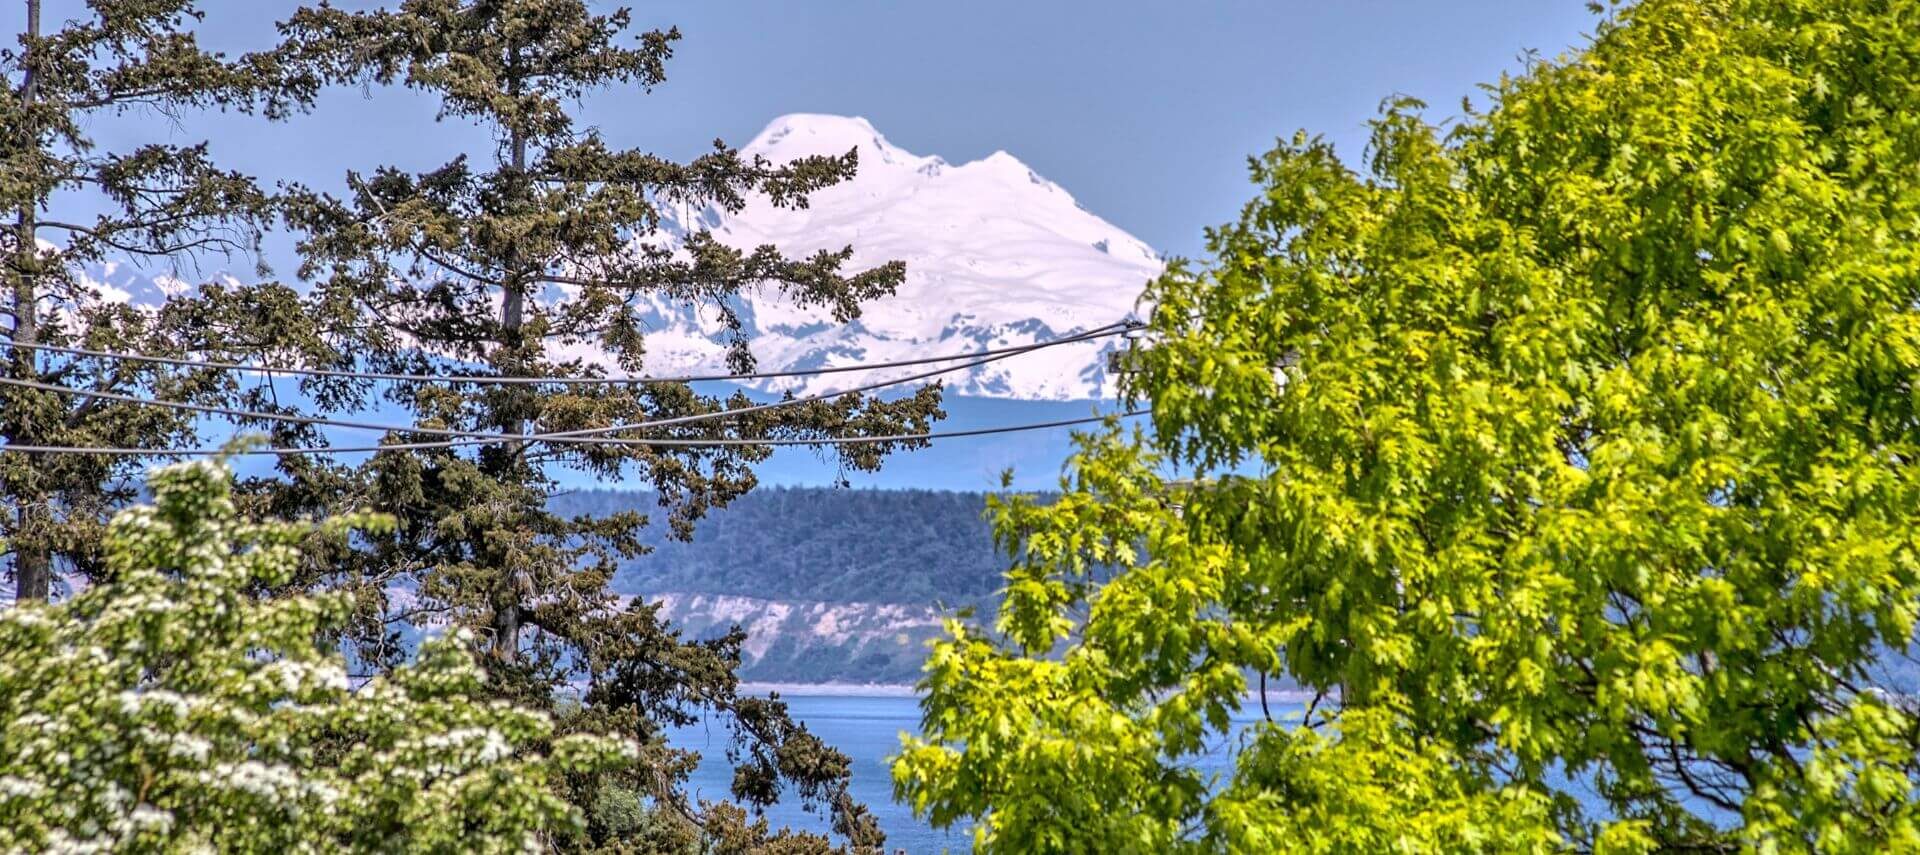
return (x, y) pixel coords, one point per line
(919, 547)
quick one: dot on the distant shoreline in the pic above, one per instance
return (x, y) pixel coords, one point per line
(837, 690)
(903, 690)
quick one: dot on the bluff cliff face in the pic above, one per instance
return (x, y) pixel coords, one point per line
(808, 641)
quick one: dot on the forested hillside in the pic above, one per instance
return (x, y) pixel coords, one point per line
(831, 585)
(917, 547)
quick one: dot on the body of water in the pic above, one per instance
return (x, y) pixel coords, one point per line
(868, 729)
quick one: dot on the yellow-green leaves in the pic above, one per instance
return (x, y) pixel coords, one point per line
(1564, 454)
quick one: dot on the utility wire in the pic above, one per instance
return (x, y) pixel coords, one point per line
(212, 409)
(531, 381)
(1108, 330)
(579, 435)
(678, 442)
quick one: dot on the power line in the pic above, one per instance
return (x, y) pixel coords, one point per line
(213, 409)
(572, 436)
(181, 362)
(1110, 329)
(674, 442)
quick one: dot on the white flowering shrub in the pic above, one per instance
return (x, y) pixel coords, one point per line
(171, 708)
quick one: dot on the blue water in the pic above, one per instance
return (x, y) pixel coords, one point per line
(868, 730)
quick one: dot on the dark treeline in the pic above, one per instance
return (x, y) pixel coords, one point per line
(804, 543)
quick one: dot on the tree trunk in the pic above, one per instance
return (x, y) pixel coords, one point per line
(513, 299)
(32, 569)
(32, 565)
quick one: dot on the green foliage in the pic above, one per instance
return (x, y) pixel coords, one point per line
(1299, 790)
(1564, 450)
(616, 812)
(170, 708)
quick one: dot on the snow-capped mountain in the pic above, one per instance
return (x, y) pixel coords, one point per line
(996, 256)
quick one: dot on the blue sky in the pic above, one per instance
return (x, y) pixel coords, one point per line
(1145, 111)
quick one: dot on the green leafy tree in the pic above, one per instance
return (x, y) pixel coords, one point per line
(495, 263)
(170, 708)
(1564, 455)
(73, 204)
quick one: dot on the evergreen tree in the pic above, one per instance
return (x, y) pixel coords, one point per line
(492, 264)
(72, 204)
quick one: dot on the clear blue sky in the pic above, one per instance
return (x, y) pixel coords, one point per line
(1145, 111)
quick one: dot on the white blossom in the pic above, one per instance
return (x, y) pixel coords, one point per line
(98, 711)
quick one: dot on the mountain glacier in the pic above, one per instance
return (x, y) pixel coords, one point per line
(996, 256)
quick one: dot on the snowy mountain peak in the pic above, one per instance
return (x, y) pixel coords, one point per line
(797, 135)
(996, 256)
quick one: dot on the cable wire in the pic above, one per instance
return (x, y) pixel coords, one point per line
(533, 381)
(578, 435)
(672, 442)
(1109, 330)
